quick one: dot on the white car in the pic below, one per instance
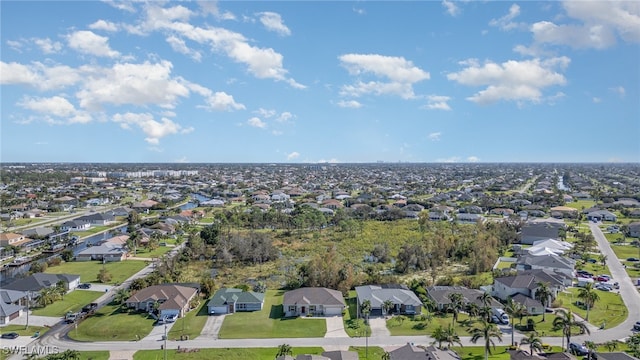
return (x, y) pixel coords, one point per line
(171, 318)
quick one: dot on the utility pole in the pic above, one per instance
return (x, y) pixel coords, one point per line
(366, 339)
(165, 341)
(28, 301)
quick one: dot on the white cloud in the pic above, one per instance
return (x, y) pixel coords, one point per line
(400, 73)
(104, 26)
(126, 5)
(598, 25)
(223, 101)
(273, 22)
(153, 129)
(473, 159)
(211, 7)
(39, 75)
(87, 42)
(506, 22)
(329, 161)
(349, 104)
(48, 46)
(452, 8)
(266, 113)
(293, 155)
(438, 102)
(619, 90)
(596, 100)
(511, 80)
(276, 132)
(435, 136)
(285, 117)
(452, 159)
(135, 84)
(256, 122)
(182, 160)
(55, 106)
(179, 45)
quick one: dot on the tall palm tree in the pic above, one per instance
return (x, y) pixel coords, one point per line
(591, 347)
(513, 309)
(543, 294)
(284, 349)
(365, 309)
(473, 310)
(456, 305)
(565, 321)
(487, 331)
(534, 342)
(485, 299)
(589, 296)
(438, 336)
(387, 305)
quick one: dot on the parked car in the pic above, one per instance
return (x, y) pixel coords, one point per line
(636, 326)
(495, 320)
(171, 318)
(10, 335)
(578, 349)
(84, 286)
(633, 259)
(603, 287)
(592, 260)
(602, 278)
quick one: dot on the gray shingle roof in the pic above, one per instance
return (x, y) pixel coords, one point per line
(226, 296)
(314, 296)
(377, 295)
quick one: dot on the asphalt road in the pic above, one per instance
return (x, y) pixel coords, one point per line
(56, 337)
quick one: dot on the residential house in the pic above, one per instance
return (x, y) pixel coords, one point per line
(634, 229)
(469, 218)
(548, 246)
(533, 306)
(75, 225)
(440, 296)
(144, 206)
(171, 299)
(230, 300)
(38, 281)
(534, 231)
(550, 262)
(341, 355)
(97, 219)
(9, 312)
(403, 300)
(525, 283)
(13, 239)
(413, 352)
(313, 301)
(602, 215)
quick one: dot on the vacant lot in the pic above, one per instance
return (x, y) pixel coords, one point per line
(223, 354)
(192, 324)
(111, 323)
(88, 270)
(269, 322)
(73, 301)
(609, 310)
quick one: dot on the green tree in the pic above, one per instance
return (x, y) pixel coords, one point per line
(565, 321)
(387, 305)
(438, 335)
(67, 255)
(513, 309)
(486, 331)
(365, 309)
(534, 342)
(543, 294)
(589, 296)
(104, 276)
(612, 345)
(121, 296)
(451, 337)
(455, 305)
(592, 347)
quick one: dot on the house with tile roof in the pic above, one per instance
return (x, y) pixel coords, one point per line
(38, 281)
(440, 296)
(404, 300)
(171, 299)
(230, 300)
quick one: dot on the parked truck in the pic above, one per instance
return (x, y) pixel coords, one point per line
(501, 315)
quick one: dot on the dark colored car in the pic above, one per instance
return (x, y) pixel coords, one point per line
(633, 259)
(636, 326)
(578, 349)
(11, 335)
(84, 286)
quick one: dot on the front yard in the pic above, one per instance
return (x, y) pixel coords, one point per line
(223, 354)
(191, 325)
(88, 270)
(73, 301)
(270, 323)
(112, 323)
(610, 309)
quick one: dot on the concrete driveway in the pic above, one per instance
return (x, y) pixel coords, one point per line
(36, 320)
(212, 327)
(158, 331)
(379, 327)
(335, 327)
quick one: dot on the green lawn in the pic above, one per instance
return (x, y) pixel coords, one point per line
(269, 322)
(610, 309)
(94, 355)
(156, 253)
(425, 324)
(581, 204)
(353, 326)
(497, 353)
(110, 323)
(223, 354)
(192, 324)
(20, 329)
(368, 352)
(88, 270)
(624, 252)
(73, 301)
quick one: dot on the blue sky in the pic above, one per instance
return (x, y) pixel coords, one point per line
(318, 81)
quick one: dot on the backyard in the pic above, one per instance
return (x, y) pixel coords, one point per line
(270, 323)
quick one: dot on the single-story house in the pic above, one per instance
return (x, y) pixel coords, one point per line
(98, 219)
(602, 215)
(230, 300)
(13, 239)
(546, 262)
(440, 296)
(74, 225)
(38, 281)
(534, 231)
(112, 249)
(313, 301)
(533, 306)
(634, 229)
(9, 312)
(403, 300)
(172, 299)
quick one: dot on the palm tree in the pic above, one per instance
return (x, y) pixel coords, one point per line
(535, 343)
(473, 310)
(456, 305)
(386, 356)
(121, 296)
(591, 347)
(589, 296)
(565, 321)
(451, 337)
(70, 355)
(284, 349)
(612, 345)
(485, 299)
(387, 305)
(365, 309)
(543, 294)
(512, 309)
(438, 336)
(486, 331)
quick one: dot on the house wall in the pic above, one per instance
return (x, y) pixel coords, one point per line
(167, 312)
(218, 310)
(249, 307)
(503, 292)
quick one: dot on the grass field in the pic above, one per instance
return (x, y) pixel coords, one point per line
(269, 322)
(417, 325)
(609, 310)
(88, 270)
(156, 253)
(223, 354)
(192, 324)
(581, 204)
(368, 352)
(23, 331)
(73, 301)
(352, 325)
(110, 323)
(624, 252)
